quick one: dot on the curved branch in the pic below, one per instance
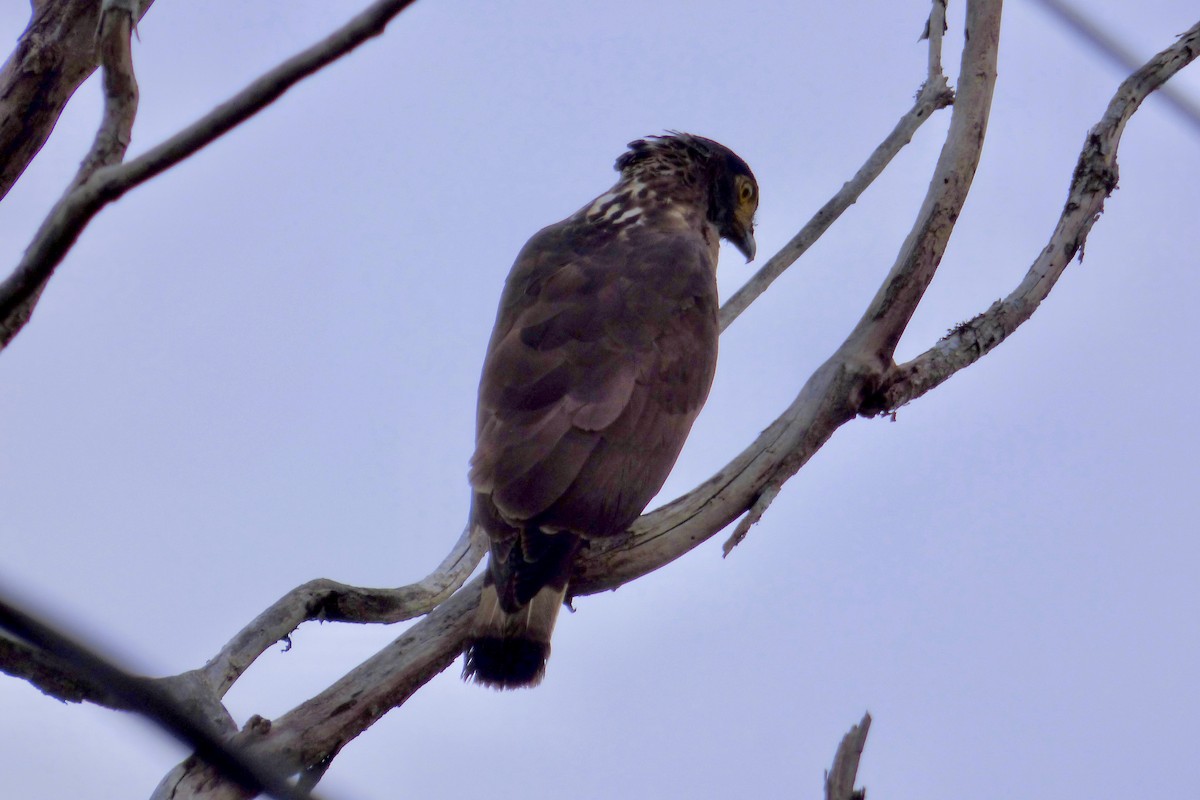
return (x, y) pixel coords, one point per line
(72, 213)
(879, 331)
(328, 600)
(307, 737)
(1094, 179)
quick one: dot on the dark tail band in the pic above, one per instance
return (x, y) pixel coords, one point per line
(526, 584)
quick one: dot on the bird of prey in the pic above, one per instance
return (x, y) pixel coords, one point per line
(603, 352)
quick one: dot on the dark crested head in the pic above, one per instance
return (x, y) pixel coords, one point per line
(731, 189)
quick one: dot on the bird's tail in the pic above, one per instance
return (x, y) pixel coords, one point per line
(523, 591)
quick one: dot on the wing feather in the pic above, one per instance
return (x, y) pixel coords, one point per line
(602, 355)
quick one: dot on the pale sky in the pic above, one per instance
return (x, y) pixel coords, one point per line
(260, 368)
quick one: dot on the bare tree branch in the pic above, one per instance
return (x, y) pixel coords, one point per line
(1094, 179)
(315, 731)
(56, 53)
(935, 29)
(934, 95)
(328, 600)
(839, 781)
(112, 139)
(879, 331)
(72, 213)
(117, 18)
(50, 675)
(147, 699)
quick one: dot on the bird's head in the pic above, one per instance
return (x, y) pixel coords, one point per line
(728, 183)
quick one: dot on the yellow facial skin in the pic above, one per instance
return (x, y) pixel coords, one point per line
(743, 215)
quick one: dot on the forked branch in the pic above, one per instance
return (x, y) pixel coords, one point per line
(88, 195)
(1094, 179)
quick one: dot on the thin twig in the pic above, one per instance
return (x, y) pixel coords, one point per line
(753, 516)
(332, 601)
(117, 18)
(935, 29)
(934, 95)
(839, 781)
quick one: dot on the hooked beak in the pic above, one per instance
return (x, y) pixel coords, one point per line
(744, 242)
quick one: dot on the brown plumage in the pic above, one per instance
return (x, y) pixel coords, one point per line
(603, 352)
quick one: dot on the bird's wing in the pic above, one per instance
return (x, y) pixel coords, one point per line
(602, 354)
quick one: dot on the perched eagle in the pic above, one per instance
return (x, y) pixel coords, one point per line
(603, 353)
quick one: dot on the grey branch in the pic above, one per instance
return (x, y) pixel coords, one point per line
(879, 331)
(839, 781)
(934, 95)
(331, 601)
(1093, 181)
(308, 736)
(935, 28)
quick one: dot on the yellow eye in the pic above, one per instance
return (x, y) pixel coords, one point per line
(745, 191)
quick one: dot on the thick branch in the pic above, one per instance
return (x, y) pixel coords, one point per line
(112, 140)
(1094, 179)
(55, 54)
(879, 331)
(50, 675)
(72, 213)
